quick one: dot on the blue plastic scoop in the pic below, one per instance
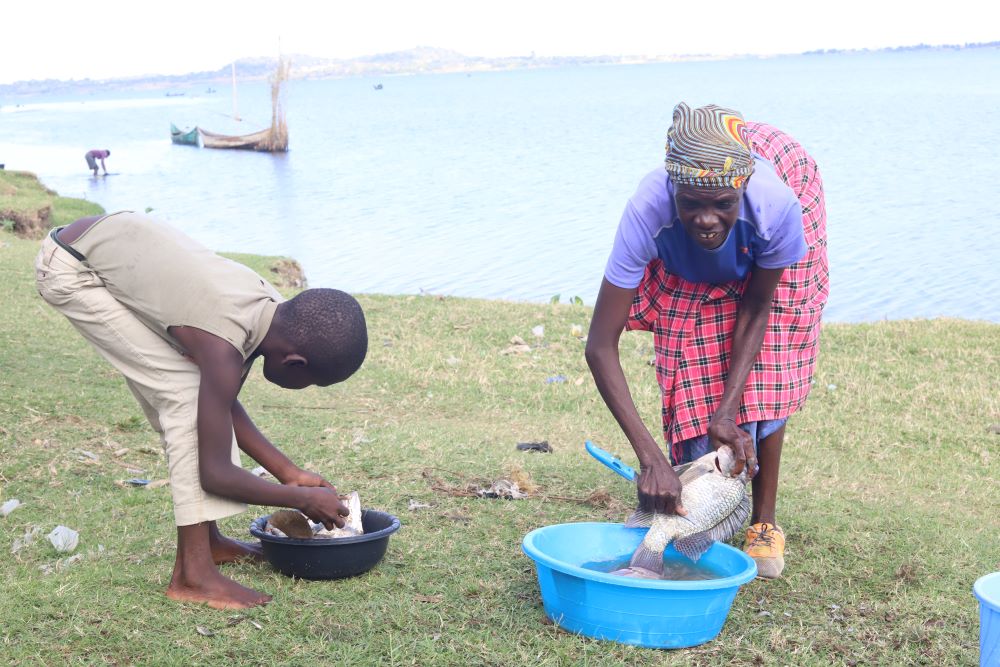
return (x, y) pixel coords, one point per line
(611, 461)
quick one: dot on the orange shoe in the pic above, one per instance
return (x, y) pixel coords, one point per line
(766, 545)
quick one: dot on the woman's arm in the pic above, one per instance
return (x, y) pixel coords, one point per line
(658, 486)
(748, 336)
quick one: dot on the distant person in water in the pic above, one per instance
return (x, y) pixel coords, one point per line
(97, 154)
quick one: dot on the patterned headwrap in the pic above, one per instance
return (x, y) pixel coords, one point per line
(708, 147)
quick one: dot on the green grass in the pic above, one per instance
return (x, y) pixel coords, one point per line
(889, 497)
(22, 191)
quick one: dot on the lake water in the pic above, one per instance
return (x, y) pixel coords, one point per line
(509, 185)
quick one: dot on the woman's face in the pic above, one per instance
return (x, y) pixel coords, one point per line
(707, 214)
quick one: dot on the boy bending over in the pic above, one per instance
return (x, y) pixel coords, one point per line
(184, 325)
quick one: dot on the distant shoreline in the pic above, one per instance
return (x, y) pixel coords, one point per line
(420, 60)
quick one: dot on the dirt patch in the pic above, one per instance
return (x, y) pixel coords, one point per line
(599, 499)
(288, 274)
(508, 488)
(28, 224)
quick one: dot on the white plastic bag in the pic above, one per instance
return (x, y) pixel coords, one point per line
(64, 539)
(9, 506)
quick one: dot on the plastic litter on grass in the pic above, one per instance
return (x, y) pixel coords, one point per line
(542, 446)
(9, 506)
(64, 539)
(26, 540)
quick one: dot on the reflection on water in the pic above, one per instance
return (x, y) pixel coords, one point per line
(674, 569)
(510, 185)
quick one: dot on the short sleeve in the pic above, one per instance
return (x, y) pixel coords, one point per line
(787, 244)
(633, 249)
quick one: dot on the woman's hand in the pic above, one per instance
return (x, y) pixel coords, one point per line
(724, 431)
(659, 489)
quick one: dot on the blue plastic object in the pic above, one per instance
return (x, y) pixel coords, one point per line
(611, 461)
(987, 591)
(643, 612)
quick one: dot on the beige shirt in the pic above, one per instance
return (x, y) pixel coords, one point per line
(167, 279)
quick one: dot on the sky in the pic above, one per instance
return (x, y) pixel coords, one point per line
(63, 39)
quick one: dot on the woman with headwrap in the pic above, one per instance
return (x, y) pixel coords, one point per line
(722, 256)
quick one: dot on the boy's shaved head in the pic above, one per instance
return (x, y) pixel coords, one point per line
(327, 326)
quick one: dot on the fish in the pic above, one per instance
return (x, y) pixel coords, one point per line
(352, 523)
(289, 523)
(717, 506)
(294, 524)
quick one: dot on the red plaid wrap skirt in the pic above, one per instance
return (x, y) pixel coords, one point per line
(692, 323)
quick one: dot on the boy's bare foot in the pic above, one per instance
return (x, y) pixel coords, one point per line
(216, 591)
(196, 577)
(226, 549)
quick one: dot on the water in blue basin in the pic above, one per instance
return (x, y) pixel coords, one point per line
(674, 569)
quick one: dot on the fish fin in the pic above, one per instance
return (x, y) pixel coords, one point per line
(682, 468)
(647, 559)
(689, 472)
(725, 529)
(732, 524)
(693, 546)
(639, 519)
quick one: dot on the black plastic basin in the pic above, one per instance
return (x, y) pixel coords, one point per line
(329, 559)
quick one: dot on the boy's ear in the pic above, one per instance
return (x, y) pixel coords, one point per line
(294, 360)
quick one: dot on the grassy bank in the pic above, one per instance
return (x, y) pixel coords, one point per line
(28, 208)
(889, 497)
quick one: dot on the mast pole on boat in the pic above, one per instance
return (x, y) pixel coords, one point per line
(236, 114)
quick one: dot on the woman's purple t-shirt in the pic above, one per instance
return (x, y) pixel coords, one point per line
(768, 233)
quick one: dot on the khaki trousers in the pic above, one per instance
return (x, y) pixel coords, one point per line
(163, 381)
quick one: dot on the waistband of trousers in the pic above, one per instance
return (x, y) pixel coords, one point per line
(54, 234)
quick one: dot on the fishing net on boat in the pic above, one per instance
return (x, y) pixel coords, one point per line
(277, 138)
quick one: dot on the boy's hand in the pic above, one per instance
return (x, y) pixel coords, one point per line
(305, 478)
(324, 506)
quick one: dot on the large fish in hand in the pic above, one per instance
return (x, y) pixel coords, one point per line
(717, 506)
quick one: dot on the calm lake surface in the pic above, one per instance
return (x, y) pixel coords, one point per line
(510, 185)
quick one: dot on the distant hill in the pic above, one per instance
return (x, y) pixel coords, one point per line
(419, 60)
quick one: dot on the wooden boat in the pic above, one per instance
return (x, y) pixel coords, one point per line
(255, 141)
(185, 137)
(274, 139)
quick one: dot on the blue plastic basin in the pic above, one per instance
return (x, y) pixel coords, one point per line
(644, 612)
(987, 591)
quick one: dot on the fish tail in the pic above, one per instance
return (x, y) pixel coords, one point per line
(648, 559)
